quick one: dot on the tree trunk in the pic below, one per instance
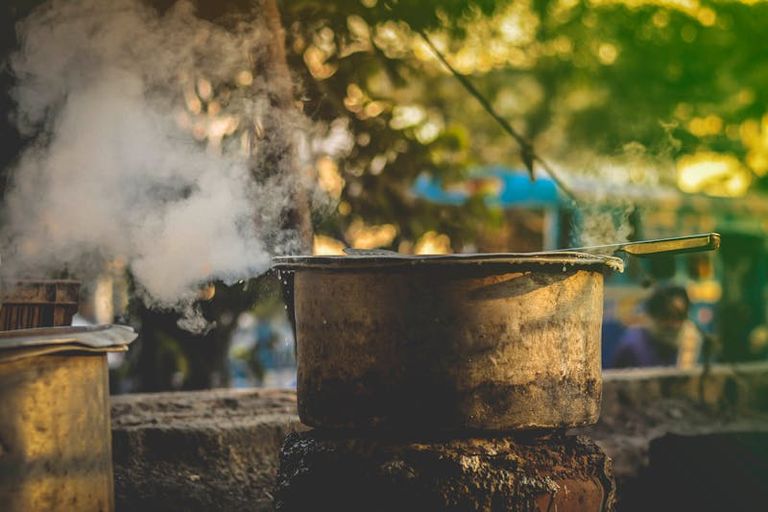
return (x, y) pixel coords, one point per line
(280, 138)
(276, 161)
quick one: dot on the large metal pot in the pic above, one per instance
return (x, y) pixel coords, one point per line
(492, 342)
(55, 433)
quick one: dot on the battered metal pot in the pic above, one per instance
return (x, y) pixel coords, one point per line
(55, 433)
(490, 342)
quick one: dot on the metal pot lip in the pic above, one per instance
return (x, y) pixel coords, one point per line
(377, 261)
(98, 337)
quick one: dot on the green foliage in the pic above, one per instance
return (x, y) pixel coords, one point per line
(581, 80)
(419, 14)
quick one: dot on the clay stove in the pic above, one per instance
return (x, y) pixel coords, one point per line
(446, 383)
(329, 470)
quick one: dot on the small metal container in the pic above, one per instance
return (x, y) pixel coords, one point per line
(29, 304)
(55, 434)
(484, 342)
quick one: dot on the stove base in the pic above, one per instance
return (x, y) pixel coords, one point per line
(321, 470)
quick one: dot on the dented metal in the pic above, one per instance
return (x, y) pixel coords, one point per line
(55, 437)
(480, 342)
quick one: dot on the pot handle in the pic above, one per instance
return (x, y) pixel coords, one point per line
(675, 245)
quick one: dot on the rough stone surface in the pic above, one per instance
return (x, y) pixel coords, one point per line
(344, 471)
(215, 450)
(218, 450)
(710, 472)
(643, 405)
(737, 388)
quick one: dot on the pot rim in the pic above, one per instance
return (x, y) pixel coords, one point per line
(365, 262)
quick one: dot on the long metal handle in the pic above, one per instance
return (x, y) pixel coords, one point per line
(676, 245)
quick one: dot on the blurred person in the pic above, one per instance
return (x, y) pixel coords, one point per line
(669, 339)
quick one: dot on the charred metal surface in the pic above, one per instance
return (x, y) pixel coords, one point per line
(342, 471)
(467, 347)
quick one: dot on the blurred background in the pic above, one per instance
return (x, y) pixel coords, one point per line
(654, 113)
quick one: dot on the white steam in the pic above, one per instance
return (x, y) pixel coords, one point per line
(611, 190)
(146, 128)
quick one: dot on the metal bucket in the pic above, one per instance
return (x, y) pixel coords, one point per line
(55, 433)
(488, 342)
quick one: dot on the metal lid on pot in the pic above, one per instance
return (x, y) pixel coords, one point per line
(23, 343)
(372, 260)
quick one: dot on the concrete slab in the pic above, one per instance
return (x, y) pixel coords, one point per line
(199, 451)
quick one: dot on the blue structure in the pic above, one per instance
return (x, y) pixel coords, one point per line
(512, 189)
(517, 189)
(727, 288)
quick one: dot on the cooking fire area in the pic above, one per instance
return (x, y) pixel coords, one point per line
(446, 383)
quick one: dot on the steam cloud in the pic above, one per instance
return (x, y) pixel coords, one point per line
(114, 95)
(616, 185)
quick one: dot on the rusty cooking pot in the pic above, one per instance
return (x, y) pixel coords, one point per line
(490, 342)
(483, 342)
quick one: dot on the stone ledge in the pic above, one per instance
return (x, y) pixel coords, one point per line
(199, 451)
(643, 405)
(742, 387)
(218, 450)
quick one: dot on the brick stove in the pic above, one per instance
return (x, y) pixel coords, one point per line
(328, 470)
